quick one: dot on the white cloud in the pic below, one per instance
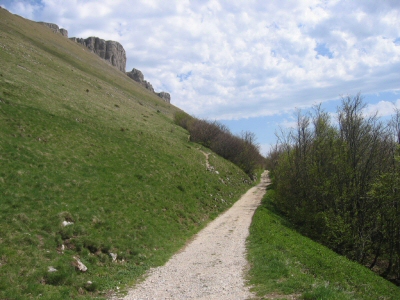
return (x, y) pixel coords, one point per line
(288, 123)
(26, 9)
(245, 58)
(382, 108)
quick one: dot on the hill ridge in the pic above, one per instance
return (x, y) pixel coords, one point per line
(112, 52)
(82, 145)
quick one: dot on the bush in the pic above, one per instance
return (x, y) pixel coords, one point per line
(242, 151)
(182, 119)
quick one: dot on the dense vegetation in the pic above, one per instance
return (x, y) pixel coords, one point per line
(287, 265)
(80, 142)
(242, 150)
(339, 184)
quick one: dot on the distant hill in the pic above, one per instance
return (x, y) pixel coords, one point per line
(93, 171)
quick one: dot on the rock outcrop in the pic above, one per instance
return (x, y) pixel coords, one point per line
(114, 53)
(137, 75)
(111, 51)
(165, 96)
(55, 28)
(64, 32)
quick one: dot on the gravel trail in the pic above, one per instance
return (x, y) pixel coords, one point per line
(212, 265)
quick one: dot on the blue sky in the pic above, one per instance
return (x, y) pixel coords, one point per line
(249, 64)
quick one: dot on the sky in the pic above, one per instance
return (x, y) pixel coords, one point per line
(248, 64)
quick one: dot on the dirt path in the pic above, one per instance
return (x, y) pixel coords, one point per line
(207, 155)
(207, 160)
(212, 266)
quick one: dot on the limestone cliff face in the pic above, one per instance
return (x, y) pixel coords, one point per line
(111, 51)
(114, 53)
(137, 75)
(55, 28)
(165, 96)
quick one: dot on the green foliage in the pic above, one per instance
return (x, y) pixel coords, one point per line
(139, 193)
(385, 197)
(287, 265)
(183, 119)
(323, 177)
(242, 151)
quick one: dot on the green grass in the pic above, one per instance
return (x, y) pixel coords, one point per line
(110, 160)
(285, 263)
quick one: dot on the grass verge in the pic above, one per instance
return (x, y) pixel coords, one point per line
(287, 265)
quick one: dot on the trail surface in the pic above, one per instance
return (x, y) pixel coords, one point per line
(212, 266)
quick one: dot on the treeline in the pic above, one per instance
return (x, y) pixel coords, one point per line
(340, 183)
(242, 151)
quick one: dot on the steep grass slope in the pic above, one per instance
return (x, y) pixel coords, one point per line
(80, 142)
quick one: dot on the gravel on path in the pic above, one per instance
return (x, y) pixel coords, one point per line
(212, 265)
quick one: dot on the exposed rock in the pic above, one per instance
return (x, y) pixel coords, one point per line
(114, 53)
(66, 223)
(52, 26)
(210, 168)
(55, 28)
(51, 269)
(79, 265)
(137, 75)
(113, 256)
(64, 32)
(148, 86)
(111, 51)
(165, 96)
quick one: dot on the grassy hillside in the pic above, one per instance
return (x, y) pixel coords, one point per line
(287, 265)
(81, 142)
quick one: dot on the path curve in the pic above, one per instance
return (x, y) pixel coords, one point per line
(207, 155)
(212, 266)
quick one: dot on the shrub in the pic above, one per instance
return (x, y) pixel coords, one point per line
(182, 119)
(242, 151)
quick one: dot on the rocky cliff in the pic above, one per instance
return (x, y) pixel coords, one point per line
(55, 28)
(165, 96)
(114, 53)
(137, 75)
(111, 51)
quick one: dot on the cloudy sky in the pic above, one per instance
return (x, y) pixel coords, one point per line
(247, 63)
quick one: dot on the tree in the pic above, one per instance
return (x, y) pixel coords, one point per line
(339, 184)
